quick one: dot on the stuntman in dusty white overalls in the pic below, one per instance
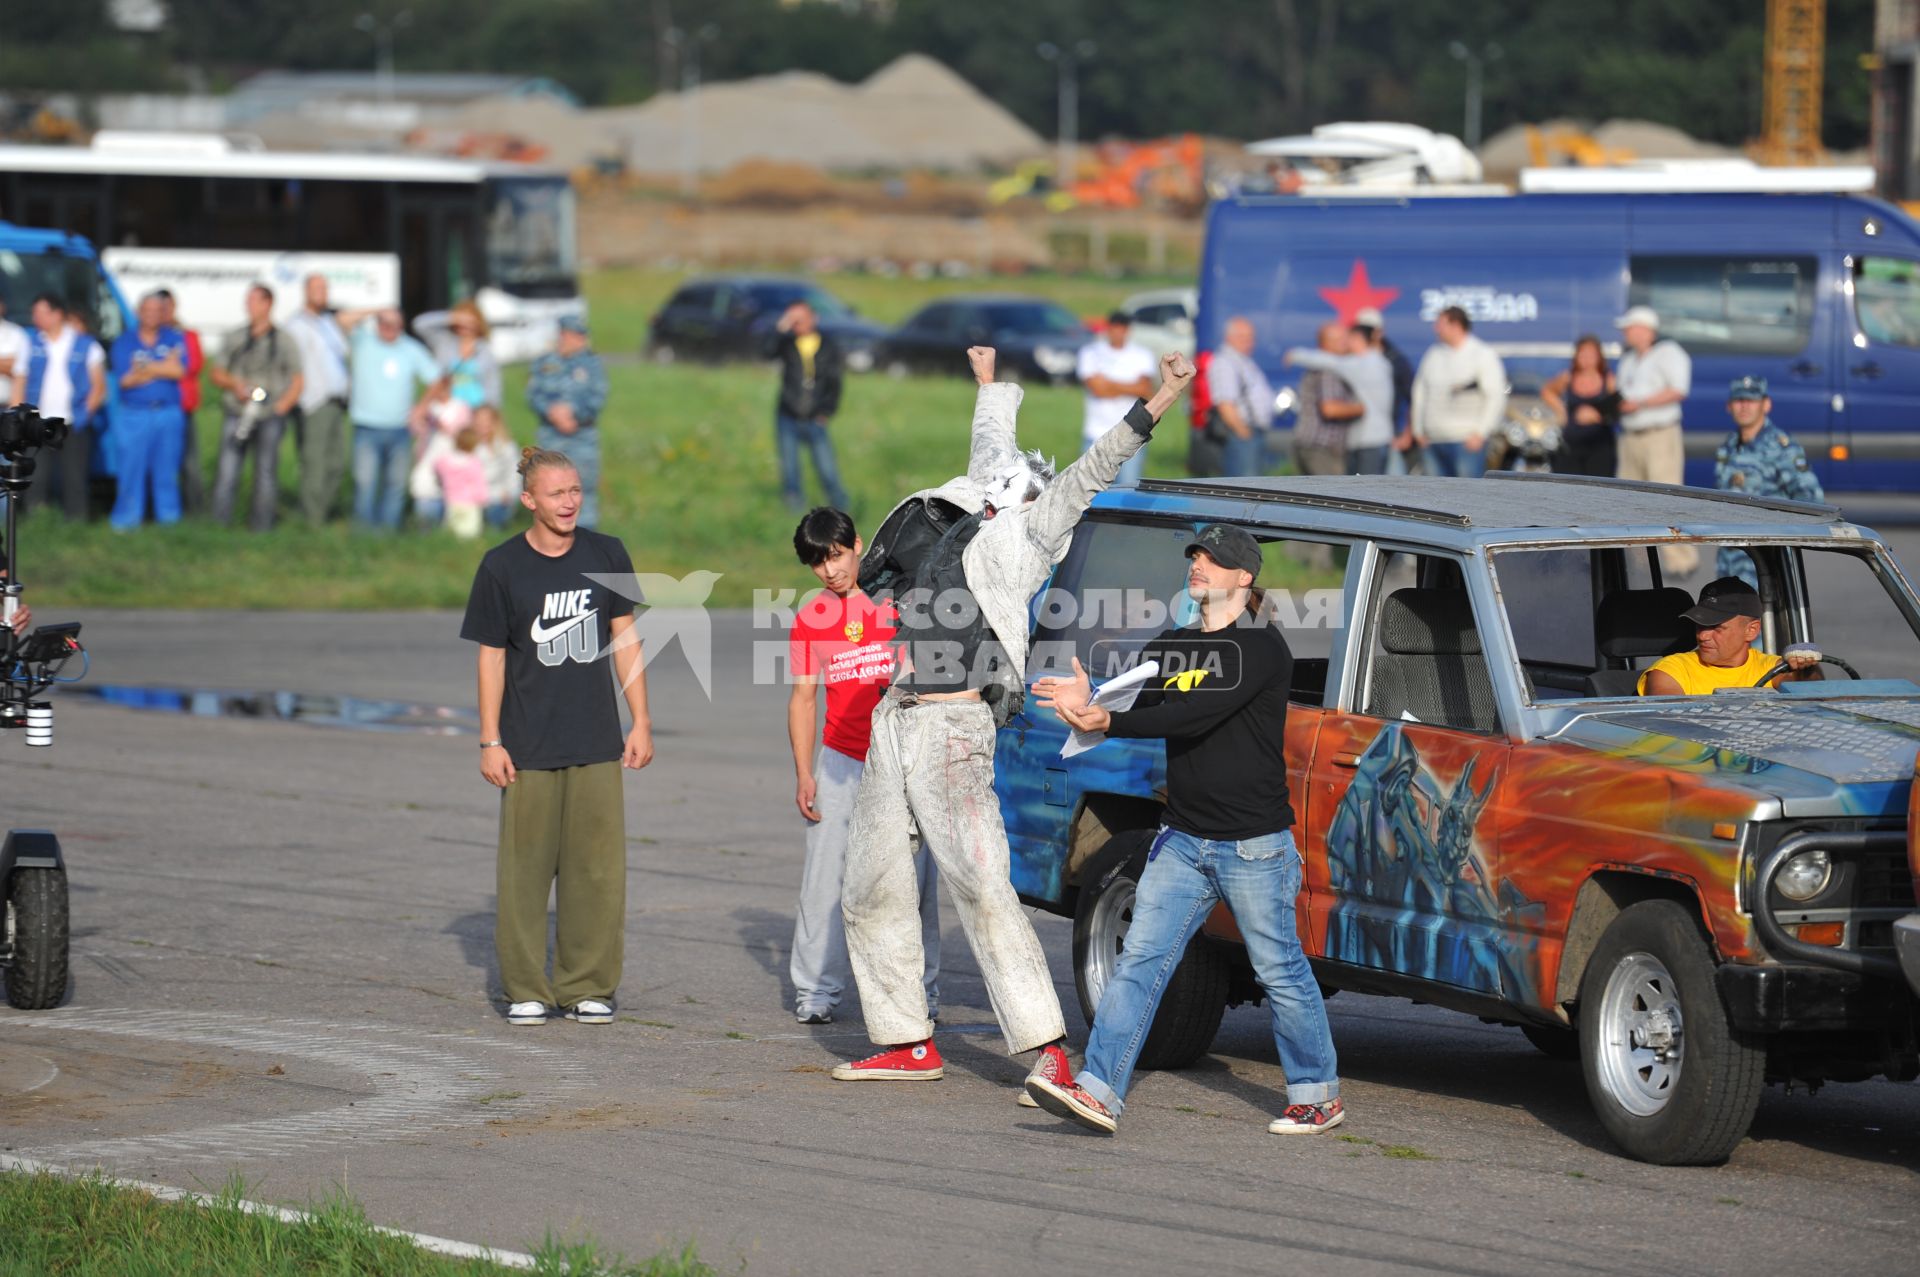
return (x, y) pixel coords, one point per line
(931, 760)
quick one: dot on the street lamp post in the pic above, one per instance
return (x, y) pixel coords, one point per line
(382, 33)
(1067, 59)
(1476, 66)
(687, 45)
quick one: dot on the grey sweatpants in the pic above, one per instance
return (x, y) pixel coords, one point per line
(819, 966)
(933, 760)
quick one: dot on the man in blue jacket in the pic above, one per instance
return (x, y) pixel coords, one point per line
(149, 362)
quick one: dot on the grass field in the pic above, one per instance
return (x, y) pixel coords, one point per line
(689, 479)
(56, 1227)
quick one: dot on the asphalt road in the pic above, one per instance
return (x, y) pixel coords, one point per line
(283, 967)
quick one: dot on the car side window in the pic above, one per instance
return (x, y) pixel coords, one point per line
(931, 321)
(1123, 584)
(1550, 601)
(698, 297)
(1886, 300)
(1729, 305)
(1425, 661)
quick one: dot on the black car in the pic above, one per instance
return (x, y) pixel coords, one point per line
(1037, 339)
(733, 316)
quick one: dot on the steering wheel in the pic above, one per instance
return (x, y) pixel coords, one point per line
(1781, 667)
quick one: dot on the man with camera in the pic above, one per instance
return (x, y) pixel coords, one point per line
(259, 371)
(65, 378)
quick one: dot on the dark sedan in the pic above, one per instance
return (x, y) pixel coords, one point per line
(1037, 340)
(733, 316)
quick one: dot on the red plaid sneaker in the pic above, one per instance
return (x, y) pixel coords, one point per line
(914, 1062)
(1069, 1101)
(1309, 1119)
(1052, 1065)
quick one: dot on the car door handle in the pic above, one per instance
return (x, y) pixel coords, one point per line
(1346, 760)
(1869, 371)
(1805, 368)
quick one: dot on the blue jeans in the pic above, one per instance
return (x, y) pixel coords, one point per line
(1259, 878)
(1243, 458)
(789, 434)
(1368, 460)
(1456, 459)
(382, 456)
(582, 447)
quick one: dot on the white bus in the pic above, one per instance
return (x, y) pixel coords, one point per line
(191, 210)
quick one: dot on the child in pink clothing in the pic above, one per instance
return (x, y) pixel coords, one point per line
(463, 483)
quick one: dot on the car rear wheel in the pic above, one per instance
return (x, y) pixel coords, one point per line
(1671, 1079)
(35, 928)
(1196, 996)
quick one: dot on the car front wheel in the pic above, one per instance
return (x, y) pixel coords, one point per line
(1673, 1081)
(1196, 995)
(35, 928)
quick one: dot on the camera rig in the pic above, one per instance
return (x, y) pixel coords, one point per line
(33, 875)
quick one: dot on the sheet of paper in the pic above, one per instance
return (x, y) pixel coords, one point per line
(1115, 695)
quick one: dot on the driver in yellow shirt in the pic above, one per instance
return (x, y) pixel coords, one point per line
(1726, 621)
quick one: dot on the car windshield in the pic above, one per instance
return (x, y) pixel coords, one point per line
(1587, 621)
(1037, 318)
(75, 280)
(773, 297)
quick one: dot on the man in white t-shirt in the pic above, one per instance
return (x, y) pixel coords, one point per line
(1115, 372)
(57, 349)
(1655, 378)
(13, 353)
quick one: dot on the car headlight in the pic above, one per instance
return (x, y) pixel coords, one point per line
(1058, 362)
(860, 359)
(1805, 876)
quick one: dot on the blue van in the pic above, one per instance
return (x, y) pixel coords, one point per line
(1818, 293)
(33, 262)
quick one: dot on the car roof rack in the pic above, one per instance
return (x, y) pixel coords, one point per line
(1698, 494)
(1317, 500)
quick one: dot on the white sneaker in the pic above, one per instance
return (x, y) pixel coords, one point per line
(527, 1013)
(591, 1011)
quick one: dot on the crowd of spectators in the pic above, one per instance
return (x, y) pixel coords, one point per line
(385, 419)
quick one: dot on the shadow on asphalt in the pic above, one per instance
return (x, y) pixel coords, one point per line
(474, 931)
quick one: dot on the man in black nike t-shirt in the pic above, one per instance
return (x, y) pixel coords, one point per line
(548, 613)
(1220, 702)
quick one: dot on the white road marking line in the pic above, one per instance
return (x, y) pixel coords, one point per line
(433, 1080)
(53, 1071)
(165, 1193)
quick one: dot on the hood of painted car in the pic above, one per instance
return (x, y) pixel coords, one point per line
(1840, 756)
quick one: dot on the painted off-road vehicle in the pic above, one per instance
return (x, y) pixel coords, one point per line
(1697, 896)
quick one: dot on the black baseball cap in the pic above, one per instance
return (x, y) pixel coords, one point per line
(1724, 599)
(1228, 546)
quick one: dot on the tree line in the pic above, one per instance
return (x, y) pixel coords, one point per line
(1234, 68)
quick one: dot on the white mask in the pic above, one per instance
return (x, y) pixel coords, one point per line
(1010, 486)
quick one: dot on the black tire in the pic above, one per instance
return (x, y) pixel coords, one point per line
(1651, 977)
(1196, 996)
(37, 908)
(1553, 1041)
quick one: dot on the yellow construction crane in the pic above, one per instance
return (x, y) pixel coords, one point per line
(1796, 57)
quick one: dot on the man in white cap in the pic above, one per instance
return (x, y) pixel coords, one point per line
(1655, 377)
(1405, 456)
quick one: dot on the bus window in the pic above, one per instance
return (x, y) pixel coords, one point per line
(1886, 300)
(1729, 305)
(530, 233)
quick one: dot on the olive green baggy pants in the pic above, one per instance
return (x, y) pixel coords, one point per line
(562, 831)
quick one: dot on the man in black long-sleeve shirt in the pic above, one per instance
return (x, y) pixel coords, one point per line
(811, 372)
(1227, 835)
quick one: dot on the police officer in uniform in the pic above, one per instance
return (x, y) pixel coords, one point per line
(567, 391)
(1758, 459)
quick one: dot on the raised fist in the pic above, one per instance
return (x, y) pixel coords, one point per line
(981, 358)
(1176, 370)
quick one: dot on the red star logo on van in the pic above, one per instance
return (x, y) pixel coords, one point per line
(1358, 294)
